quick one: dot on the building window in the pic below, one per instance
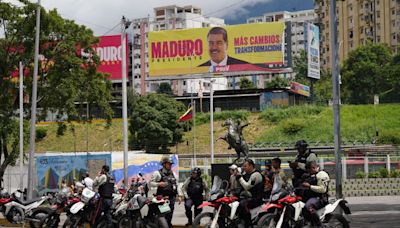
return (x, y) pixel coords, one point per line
(378, 14)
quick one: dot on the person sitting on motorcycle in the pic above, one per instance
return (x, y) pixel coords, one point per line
(105, 184)
(252, 183)
(316, 193)
(299, 165)
(278, 172)
(192, 190)
(268, 178)
(234, 186)
(165, 181)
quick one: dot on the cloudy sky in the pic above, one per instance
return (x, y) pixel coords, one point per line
(103, 15)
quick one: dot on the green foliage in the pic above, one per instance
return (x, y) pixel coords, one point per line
(383, 173)
(364, 73)
(165, 88)
(389, 137)
(274, 115)
(153, 124)
(300, 67)
(202, 118)
(395, 173)
(374, 174)
(277, 82)
(61, 128)
(41, 133)
(292, 126)
(360, 174)
(323, 88)
(245, 83)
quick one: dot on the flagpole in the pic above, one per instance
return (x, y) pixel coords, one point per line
(194, 133)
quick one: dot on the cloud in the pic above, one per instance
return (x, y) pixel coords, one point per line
(102, 15)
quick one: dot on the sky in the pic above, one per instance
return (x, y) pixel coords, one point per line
(103, 16)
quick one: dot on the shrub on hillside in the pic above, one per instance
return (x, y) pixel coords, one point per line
(61, 128)
(383, 173)
(41, 133)
(360, 174)
(374, 174)
(275, 115)
(395, 173)
(202, 118)
(292, 126)
(389, 137)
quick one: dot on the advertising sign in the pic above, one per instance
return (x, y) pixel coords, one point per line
(145, 164)
(53, 169)
(313, 51)
(247, 47)
(109, 50)
(301, 89)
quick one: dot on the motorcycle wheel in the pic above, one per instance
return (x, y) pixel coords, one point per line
(198, 221)
(72, 222)
(14, 216)
(46, 216)
(126, 221)
(337, 221)
(267, 221)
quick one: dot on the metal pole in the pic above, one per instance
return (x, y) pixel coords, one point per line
(133, 60)
(336, 98)
(33, 111)
(212, 120)
(21, 125)
(124, 25)
(194, 133)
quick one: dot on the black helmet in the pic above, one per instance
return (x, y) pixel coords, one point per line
(196, 170)
(301, 143)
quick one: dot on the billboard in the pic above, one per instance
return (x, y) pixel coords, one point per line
(52, 169)
(301, 89)
(246, 47)
(142, 163)
(313, 51)
(109, 50)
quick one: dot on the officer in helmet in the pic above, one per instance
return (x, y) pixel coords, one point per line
(304, 155)
(166, 183)
(105, 183)
(192, 190)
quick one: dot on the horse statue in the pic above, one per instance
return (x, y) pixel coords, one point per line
(234, 137)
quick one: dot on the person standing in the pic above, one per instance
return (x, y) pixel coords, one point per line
(192, 190)
(105, 184)
(165, 182)
(88, 182)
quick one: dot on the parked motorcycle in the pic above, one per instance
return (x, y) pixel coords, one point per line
(225, 208)
(17, 210)
(286, 210)
(137, 217)
(83, 211)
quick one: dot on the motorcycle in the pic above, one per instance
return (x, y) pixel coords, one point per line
(17, 210)
(136, 215)
(286, 210)
(225, 208)
(82, 211)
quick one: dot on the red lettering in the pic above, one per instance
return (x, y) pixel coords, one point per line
(190, 46)
(198, 46)
(173, 49)
(165, 52)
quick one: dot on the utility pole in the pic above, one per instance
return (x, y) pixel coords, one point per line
(124, 25)
(212, 119)
(336, 98)
(33, 107)
(21, 125)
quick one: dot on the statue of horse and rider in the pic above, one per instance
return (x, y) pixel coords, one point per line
(234, 137)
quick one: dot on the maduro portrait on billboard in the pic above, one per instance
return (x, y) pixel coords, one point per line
(247, 47)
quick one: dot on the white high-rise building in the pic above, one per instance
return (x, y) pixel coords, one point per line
(168, 18)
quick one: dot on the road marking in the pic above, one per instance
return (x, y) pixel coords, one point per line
(374, 212)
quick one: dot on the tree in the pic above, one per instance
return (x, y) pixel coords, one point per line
(165, 88)
(277, 82)
(64, 77)
(364, 73)
(245, 83)
(323, 88)
(153, 124)
(300, 67)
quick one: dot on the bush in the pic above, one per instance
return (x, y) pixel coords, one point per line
(389, 137)
(374, 174)
(61, 128)
(203, 118)
(360, 174)
(41, 133)
(275, 115)
(395, 173)
(292, 126)
(383, 173)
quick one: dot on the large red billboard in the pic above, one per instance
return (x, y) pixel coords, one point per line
(109, 51)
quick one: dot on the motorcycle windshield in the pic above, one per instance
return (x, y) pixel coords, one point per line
(216, 184)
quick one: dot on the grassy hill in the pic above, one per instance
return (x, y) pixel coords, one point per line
(358, 122)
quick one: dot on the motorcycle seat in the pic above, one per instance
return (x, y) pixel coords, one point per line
(26, 202)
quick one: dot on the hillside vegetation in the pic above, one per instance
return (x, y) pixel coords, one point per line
(312, 123)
